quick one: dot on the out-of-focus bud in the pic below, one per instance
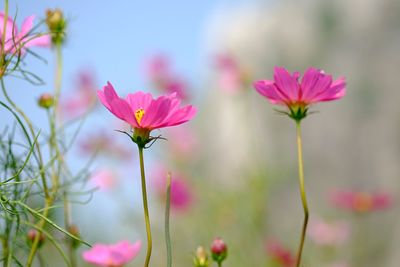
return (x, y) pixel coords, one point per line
(219, 250)
(201, 258)
(74, 230)
(57, 25)
(32, 234)
(46, 100)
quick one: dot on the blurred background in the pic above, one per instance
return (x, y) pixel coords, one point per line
(234, 167)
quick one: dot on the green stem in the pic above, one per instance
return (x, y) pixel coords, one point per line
(220, 264)
(302, 193)
(145, 208)
(67, 225)
(53, 147)
(167, 212)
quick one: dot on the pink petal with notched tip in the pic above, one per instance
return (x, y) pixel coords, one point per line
(286, 83)
(268, 89)
(337, 90)
(180, 116)
(26, 26)
(139, 100)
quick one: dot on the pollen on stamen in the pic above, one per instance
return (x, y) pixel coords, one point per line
(139, 115)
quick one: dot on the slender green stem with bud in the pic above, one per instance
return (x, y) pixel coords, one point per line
(145, 207)
(167, 212)
(302, 192)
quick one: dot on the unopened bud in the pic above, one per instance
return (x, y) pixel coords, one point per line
(219, 250)
(57, 24)
(74, 230)
(46, 100)
(32, 235)
(201, 258)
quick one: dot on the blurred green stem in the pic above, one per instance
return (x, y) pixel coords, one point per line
(53, 147)
(167, 212)
(302, 193)
(145, 208)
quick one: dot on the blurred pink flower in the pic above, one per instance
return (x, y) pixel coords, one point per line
(315, 86)
(143, 112)
(279, 254)
(159, 71)
(104, 179)
(83, 97)
(101, 141)
(361, 202)
(181, 194)
(182, 141)
(328, 234)
(231, 77)
(112, 255)
(15, 40)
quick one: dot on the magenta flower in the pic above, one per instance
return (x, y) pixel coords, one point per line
(82, 99)
(329, 233)
(112, 255)
(286, 89)
(231, 78)
(143, 113)
(181, 194)
(280, 255)
(159, 72)
(104, 179)
(20, 40)
(102, 142)
(361, 202)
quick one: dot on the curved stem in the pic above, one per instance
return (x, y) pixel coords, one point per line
(167, 212)
(302, 193)
(145, 208)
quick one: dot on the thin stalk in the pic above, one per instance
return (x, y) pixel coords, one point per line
(302, 193)
(67, 225)
(145, 208)
(167, 212)
(54, 146)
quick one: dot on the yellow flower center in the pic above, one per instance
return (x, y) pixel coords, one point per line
(363, 202)
(139, 115)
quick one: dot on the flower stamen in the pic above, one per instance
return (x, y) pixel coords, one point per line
(139, 115)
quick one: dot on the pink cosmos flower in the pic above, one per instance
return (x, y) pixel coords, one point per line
(83, 97)
(361, 202)
(143, 113)
(112, 255)
(181, 195)
(328, 234)
(182, 141)
(280, 255)
(286, 89)
(231, 76)
(104, 179)
(102, 142)
(15, 40)
(159, 72)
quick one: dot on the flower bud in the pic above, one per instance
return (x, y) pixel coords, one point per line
(219, 250)
(46, 100)
(32, 234)
(57, 24)
(201, 258)
(74, 230)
